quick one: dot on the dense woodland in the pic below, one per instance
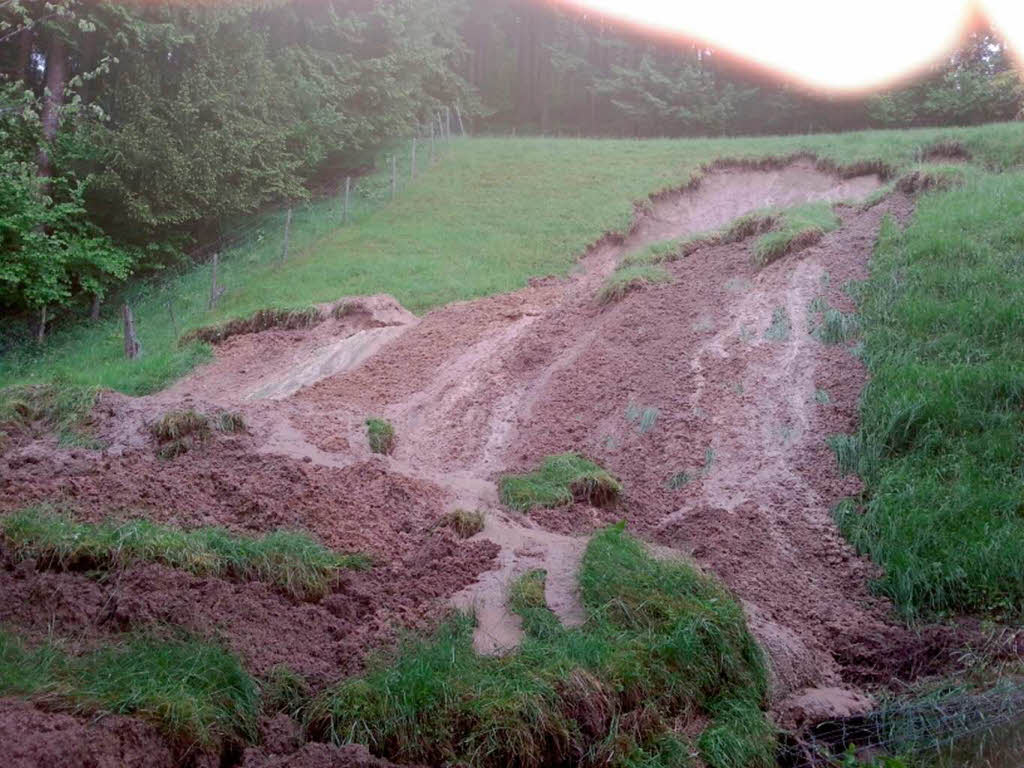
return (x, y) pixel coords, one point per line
(128, 132)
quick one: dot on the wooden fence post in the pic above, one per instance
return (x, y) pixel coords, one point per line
(174, 321)
(287, 233)
(394, 176)
(348, 183)
(431, 141)
(132, 346)
(412, 163)
(458, 114)
(447, 123)
(216, 291)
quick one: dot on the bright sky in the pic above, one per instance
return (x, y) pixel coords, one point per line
(844, 45)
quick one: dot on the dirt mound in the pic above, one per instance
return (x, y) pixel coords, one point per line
(33, 738)
(316, 756)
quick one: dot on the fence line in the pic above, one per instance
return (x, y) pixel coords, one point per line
(280, 232)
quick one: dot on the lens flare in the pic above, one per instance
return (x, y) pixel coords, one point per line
(833, 46)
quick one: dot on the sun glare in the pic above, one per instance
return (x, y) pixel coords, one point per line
(850, 47)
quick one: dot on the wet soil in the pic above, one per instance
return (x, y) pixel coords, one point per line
(732, 469)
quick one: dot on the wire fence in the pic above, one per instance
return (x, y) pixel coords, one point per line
(955, 729)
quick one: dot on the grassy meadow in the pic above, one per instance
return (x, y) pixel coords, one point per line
(489, 214)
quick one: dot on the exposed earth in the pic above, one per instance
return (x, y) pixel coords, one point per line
(694, 393)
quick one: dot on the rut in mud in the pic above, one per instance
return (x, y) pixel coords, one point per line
(733, 468)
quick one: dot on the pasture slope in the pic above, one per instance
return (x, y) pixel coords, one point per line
(707, 353)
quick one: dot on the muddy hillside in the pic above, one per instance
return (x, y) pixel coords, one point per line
(709, 395)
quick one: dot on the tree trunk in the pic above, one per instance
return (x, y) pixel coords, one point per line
(25, 56)
(94, 312)
(53, 100)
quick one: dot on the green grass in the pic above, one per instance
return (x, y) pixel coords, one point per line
(560, 480)
(942, 433)
(627, 279)
(56, 406)
(662, 644)
(193, 691)
(468, 227)
(797, 227)
(836, 327)
(290, 560)
(381, 435)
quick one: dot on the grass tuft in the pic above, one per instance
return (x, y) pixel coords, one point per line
(561, 479)
(231, 422)
(193, 691)
(836, 327)
(465, 523)
(662, 644)
(622, 281)
(290, 560)
(780, 326)
(176, 425)
(798, 227)
(381, 435)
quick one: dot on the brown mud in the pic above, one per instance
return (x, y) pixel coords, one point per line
(734, 469)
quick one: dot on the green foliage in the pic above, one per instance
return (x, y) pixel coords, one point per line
(836, 327)
(941, 432)
(662, 641)
(561, 479)
(626, 279)
(381, 435)
(798, 227)
(290, 560)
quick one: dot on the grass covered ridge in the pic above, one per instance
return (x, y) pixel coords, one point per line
(622, 281)
(290, 560)
(942, 431)
(560, 480)
(663, 644)
(193, 691)
(465, 228)
(797, 227)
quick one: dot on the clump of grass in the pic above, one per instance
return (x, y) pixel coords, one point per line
(622, 281)
(941, 424)
(285, 690)
(381, 435)
(560, 480)
(177, 432)
(58, 407)
(643, 418)
(175, 425)
(193, 691)
(464, 522)
(837, 327)
(290, 560)
(821, 397)
(798, 228)
(662, 643)
(231, 422)
(679, 480)
(779, 328)
(929, 178)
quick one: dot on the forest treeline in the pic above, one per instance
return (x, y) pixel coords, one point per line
(130, 131)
